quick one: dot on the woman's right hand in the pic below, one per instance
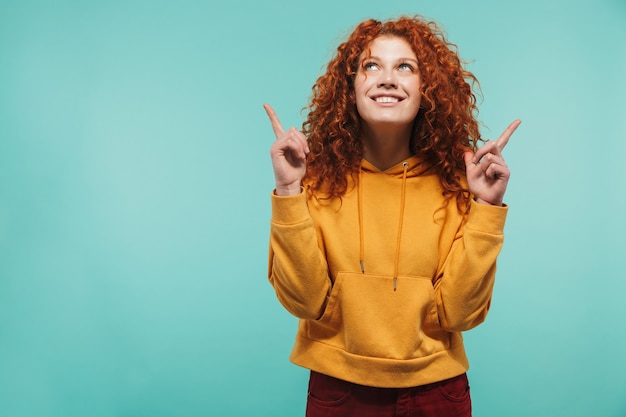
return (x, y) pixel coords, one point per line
(288, 156)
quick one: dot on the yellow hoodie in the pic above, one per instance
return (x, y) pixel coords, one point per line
(385, 279)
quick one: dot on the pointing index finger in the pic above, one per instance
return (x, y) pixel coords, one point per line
(506, 135)
(276, 125)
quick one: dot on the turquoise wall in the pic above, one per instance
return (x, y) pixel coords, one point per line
(134, 202)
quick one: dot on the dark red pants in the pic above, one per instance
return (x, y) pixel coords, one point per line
(331, 397)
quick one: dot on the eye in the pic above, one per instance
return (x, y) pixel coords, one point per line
(406, 67)
(370, 66)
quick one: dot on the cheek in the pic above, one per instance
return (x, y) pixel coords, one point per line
(416, 89)
(416, 86)
(359, 93)
(359, 85)
(363, 81)
(359, 105)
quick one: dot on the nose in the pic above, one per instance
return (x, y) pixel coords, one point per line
(387, 79)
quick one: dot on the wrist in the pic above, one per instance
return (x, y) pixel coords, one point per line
(490, 203)
(288, 190)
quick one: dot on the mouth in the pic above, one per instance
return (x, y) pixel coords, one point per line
(384, 99)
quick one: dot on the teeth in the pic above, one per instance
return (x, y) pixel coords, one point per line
(385, 99)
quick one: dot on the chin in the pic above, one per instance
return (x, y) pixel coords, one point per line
(384, 121)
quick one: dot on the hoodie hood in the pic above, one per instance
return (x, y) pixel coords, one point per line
(416, 167)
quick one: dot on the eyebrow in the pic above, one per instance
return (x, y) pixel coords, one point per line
(397, 60)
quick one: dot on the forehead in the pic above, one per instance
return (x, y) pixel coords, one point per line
(389, 46)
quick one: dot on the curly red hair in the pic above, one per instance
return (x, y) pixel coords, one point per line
(444, 128)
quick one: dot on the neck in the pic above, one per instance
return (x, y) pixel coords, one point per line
(385, 148)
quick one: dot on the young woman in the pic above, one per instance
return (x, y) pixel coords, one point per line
(387, 220)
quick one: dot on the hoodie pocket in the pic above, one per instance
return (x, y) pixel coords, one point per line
(365, 316)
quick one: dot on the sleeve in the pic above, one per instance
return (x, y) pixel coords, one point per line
(298, 270)
(464, 287)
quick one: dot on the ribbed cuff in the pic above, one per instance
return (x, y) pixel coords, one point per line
(486, 218)
(291, 209)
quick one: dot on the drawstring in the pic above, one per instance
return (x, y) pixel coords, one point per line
(405, 165)
(361, 238)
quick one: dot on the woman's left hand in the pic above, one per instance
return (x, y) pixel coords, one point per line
(487, 173)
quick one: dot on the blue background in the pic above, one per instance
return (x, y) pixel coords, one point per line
(134, 202)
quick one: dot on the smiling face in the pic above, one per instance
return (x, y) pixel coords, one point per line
(387, 84)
